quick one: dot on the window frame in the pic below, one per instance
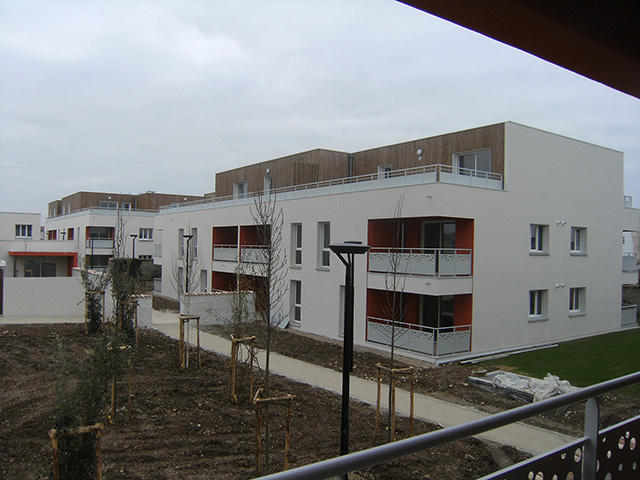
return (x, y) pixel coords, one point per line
(148, 234)
(324, 252)
(384, 171)
(296, 244)
(539, 242)
(24, 230)
(578, 241)
(577, 301)
(467, 171)
(538, 305)
(240, 189)
(296, 302)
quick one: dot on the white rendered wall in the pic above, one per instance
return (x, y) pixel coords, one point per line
(43, 297)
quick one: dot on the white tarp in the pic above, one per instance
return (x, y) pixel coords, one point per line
(550, 386)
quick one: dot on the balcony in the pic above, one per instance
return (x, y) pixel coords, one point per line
(225, 253)
(629, 315)
(628, 201)
(96, 243)
(629, 262)
(429, 262)
(253, 254)
(420, 339)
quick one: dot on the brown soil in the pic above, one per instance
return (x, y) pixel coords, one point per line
(183, 425)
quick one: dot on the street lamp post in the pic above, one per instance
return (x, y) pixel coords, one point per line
(133, 242)
(346, 252)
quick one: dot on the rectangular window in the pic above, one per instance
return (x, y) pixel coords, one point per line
(181, 243)
(296, 243)
(240, 189)
(108, 205)
(578, 240)
(126, 206)
(296, 300)
(146, 234)
(537, 304)
(24, 231)
(71, 233)
(324, 240)
(576, 300)
(52, 234)
(539, 239)
(473, 162)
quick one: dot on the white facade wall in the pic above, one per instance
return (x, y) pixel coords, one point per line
(79, 221)
(43, 297)
(549, 180)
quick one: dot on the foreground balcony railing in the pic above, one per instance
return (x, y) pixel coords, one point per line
(609, 453)
(418, 338)
(410, 176)
(432, 262)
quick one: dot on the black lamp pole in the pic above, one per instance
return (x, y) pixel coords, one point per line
(133, 242)
(346, 252)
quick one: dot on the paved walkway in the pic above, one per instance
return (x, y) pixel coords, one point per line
(527, 438)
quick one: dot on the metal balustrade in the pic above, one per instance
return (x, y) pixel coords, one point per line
(419, 338)
(608, 454)
(431, 262)
(437, 173)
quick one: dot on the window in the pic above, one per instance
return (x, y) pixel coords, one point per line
(181, 243)
(126, 206)
(240, 189)
(52, 234)
(384, 171)
(578, 240)
(24, 231)
(296, 243)
(71, 233)
(296, 300)
(145, 257)
(537, 304)
(146, 234)
(324, 240)
(539, 238)
(473, 162)
(108, 205)
(576, 301)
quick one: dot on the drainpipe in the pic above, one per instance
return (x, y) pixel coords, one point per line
(351, 165)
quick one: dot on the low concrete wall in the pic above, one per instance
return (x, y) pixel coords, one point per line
(43, 297)
(145, 310)
(214, 308)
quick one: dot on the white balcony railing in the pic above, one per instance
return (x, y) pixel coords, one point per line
(432, 262)
(628, 201)
(629, 262)
(99, 243)
(373, 181)
(417, 338)
(629, 315)
(225, 253)
(253, 254)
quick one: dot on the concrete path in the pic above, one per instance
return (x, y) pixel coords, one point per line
(526, 438)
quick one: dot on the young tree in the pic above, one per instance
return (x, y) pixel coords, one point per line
(186, 266)
(271, 267)
(394, 285)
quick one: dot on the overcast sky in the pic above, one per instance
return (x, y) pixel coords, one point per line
(129, 96)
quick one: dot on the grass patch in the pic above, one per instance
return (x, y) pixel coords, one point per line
(582, 362)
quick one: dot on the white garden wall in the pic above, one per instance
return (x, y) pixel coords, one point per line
(214, 308)
(43, 297)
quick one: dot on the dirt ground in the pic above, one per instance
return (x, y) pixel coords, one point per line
(183, 425)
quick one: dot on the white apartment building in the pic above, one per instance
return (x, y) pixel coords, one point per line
(24, 253)
(509, 236)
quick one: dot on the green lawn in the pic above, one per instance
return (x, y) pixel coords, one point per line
(583, 362)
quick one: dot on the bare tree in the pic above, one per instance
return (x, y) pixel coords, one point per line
(186, 266)
(271, 267)
(120, 234)
(394, 285)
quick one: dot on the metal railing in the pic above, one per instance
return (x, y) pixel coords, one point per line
(81, 211)
(629, 262)
(431, 341)
(609, 451)
(438, 173)
(431, 262)
(629, 315)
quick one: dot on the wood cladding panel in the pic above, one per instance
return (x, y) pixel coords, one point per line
(440, 149)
